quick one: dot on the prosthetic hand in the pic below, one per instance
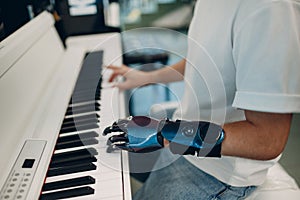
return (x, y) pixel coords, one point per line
(144, 134)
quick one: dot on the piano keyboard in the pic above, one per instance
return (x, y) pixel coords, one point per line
(52, 145)
(80, 167)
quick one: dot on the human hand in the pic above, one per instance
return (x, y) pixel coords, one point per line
(133, 78)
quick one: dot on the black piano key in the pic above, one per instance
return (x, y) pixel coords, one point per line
(84, 103)
(71, 169)
(81, 109)
(79, 128)
(74, 162)
(90, 69)
(91, 104)
(77, 143)
(73, 182)
(79, 123)
(96, 103)
(74, 155)
(80, 118)
(90, 91)
(83, 121)
(87, 81)
(76, 192)
(86, 93)
(95, 55)
(84, 99)
(87, 135)
(90, 72)
(87, 85)
(93, 74)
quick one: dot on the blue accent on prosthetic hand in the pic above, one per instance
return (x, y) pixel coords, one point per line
(142, 133)
(196, 134)
(189, 137)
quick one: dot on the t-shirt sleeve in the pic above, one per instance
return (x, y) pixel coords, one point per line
(266, 51)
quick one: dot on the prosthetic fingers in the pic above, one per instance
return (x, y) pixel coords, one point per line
(144, 134)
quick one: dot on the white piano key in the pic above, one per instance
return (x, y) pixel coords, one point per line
(108, 188)
(98, 197)
(108, 85)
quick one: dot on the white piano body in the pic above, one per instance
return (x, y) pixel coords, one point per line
(37, 77)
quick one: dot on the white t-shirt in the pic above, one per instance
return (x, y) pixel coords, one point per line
(242, 55)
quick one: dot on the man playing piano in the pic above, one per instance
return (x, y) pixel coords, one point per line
(241, 78)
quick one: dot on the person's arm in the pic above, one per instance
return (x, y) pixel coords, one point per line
(169, 74)
(262, 136)
(135, 78)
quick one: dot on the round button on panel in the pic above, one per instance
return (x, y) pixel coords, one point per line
(188, 131)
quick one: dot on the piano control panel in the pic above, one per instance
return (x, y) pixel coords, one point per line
(21, 175)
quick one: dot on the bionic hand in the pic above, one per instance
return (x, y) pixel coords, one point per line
(144, 134)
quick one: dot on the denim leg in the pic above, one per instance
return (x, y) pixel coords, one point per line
(231, 192)
(182, 180)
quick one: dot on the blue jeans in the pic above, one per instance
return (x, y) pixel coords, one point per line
(182, 180)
